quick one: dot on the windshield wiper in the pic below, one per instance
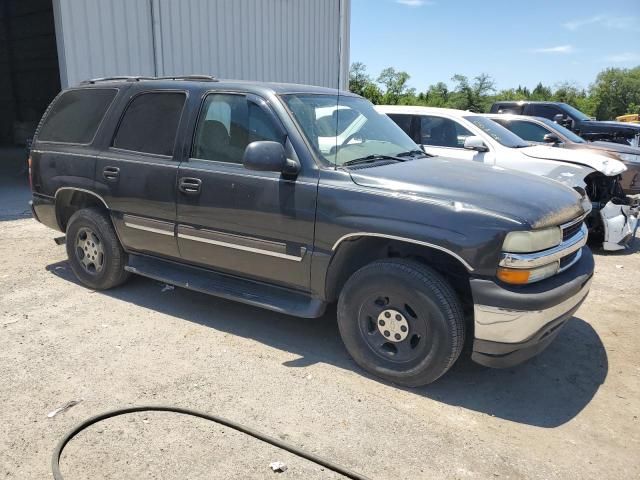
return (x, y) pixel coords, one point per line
(413, 153)
(371, 159)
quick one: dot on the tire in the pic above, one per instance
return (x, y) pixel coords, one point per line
(401, 321)
(95, 254)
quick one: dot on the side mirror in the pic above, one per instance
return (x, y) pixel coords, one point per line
(551, 138)
(266, 156)
(562, 119)
(475, 143)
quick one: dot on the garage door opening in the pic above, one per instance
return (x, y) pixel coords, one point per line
(29, 75)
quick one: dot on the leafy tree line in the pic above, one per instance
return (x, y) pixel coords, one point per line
(615, 91)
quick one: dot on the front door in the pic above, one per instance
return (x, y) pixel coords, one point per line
(136, 173)
(445, 137)
(254, 224)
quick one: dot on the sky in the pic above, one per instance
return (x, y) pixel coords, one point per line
(516, 42)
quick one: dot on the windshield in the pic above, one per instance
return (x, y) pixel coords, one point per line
(346, 130)
(562, 130)
(497, 132)
(575, 113)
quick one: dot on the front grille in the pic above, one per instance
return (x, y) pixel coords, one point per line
(571, 230)
(566, 261)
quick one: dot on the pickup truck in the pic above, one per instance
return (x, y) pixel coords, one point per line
(225, 187)
(574, 120)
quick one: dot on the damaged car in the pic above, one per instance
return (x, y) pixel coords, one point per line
(469, 136)
(542, 131)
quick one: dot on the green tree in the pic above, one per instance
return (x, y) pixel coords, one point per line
(473, 97)
(358, 78)
(615, 91)
(395, 84)
(541, 93)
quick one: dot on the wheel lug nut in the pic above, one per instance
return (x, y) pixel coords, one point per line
(398, 337)
(398, 317)
(403, 328)
(381, 322)
(387, 333)
(387, 314)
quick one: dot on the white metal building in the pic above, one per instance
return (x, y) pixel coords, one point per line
(46, 45)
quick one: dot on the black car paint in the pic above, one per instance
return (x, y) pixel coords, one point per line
(587, 129)
(459, 209)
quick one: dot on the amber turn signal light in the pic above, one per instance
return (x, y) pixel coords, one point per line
(514, 276)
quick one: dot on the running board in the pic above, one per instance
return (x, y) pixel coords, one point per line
(254, 293)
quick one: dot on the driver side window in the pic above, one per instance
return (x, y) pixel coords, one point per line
(531, 132)
(227, 124)
(442, 132)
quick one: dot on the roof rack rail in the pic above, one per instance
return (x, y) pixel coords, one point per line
(128, 78)
(199, 78)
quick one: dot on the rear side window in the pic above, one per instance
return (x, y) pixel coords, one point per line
(76, 116)
(150, 123)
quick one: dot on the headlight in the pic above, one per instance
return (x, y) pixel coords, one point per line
(532, 241)
(522, 276)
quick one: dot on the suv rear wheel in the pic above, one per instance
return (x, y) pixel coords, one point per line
(400, 320)
(94, 251)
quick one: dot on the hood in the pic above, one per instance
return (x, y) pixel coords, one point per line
(518, 196)
(614, 147)
(632, 126)
(602, 163)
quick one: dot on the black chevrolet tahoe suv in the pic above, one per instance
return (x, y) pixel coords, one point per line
(575, 120)
(292, 197)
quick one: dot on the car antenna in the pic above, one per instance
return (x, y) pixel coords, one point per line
(335, 158)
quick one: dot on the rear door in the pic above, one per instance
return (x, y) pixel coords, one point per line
(136, 173)
(255, 224)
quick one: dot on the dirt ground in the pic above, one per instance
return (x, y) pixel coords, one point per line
(572, 412)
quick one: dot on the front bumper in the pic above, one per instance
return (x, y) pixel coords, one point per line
(620, 223)
(512, 324)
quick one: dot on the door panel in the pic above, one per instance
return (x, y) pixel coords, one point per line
(254, 224)
(137, 175)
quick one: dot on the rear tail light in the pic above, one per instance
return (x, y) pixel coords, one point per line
(30, 172)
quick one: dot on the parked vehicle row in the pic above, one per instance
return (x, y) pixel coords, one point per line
(470, 136)
(575, 120)
(291, 197)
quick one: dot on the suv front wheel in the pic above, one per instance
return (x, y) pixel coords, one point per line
(400, 320)
(95, 254)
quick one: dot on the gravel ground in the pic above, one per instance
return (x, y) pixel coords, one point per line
(572, 412)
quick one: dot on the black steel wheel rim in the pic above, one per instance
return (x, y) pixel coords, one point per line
(394, 328)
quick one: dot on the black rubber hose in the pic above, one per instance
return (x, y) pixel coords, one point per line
(57, 452)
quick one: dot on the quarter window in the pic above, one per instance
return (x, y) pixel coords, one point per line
(76, 116)
(442, 132)
(227, 124)
(150, 123)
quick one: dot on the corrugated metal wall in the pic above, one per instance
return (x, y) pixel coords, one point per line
(270, 40)
(98, 38)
